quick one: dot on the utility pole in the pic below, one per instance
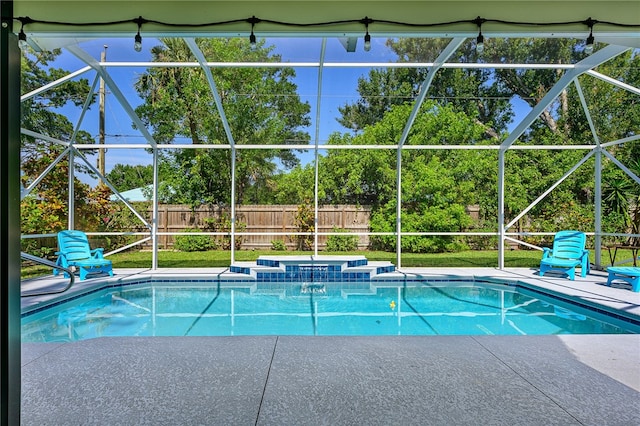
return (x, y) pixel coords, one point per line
(101, 152)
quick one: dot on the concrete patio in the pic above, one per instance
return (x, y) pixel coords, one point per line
(277, 380)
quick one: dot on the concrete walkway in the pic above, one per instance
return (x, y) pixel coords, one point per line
(396, 380)
(270, 380)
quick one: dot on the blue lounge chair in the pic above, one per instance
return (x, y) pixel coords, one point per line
(630, 274)
(75, 252)
(568, 253)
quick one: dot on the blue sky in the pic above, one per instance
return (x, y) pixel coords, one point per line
(339, 87)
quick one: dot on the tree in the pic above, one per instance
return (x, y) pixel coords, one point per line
(469, 90)
(125, 177)
(615, 113)
(295, 187)
(437, 185)
(261, 105)
(362, 177)
(531, 85)
(485, 95)
(45, 209)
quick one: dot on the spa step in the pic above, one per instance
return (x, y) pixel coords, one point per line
(274, 269)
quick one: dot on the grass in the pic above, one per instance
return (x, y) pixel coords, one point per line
(170, 259)
(217, 258)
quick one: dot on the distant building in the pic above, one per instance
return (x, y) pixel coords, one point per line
(133, 195)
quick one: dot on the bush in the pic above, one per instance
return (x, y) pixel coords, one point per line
(342, 242)
(223, 224)
(278, 245)
(304, 221)
(193, 242)
(451, 218)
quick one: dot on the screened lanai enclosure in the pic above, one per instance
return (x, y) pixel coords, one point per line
(535, 134)
(454, 125)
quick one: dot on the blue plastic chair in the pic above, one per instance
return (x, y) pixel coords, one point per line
(568, 253)
(75, 252)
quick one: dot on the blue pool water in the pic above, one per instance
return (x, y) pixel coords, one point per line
(313, 309)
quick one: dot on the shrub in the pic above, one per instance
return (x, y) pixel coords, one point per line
(278, 245)
(342, 242)
(223, 224)
(193, 242)
(304, 221)
(451, 218)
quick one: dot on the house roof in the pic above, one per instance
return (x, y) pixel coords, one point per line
(132, 195)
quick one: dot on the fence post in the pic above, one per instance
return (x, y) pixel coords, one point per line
(165, 226)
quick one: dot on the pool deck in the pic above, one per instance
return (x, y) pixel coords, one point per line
(303, 380)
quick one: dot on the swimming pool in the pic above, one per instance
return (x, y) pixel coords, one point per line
(453, 308)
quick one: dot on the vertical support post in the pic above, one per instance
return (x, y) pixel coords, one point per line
(598, 208)
(165, 226)
(501, 230)
(399, 207)
(316, 222)
(597, 176)
(10, 380)
(233, 204)
(71, 219)
(316, 209)
(154, 213)
(102, 92)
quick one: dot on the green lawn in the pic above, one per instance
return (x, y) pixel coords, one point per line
(174, 259)
(170, 259)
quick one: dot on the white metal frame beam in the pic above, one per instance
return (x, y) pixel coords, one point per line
(327, 147)
(202, 63)
(549, 190)
(581, 67)
(621, 141)
(622, 166)
(309, 64)
(56, 83)
(26, 191)
(316, 143)
(597, 174)
(614, 82)
(115, 90)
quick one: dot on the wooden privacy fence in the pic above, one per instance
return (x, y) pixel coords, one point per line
(263, 218)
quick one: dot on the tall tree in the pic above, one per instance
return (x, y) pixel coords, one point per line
(487, 95)
(469, 90)
(124, 177)
(531, 85)
(437, 185)
(261, 105)
(45, 209)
